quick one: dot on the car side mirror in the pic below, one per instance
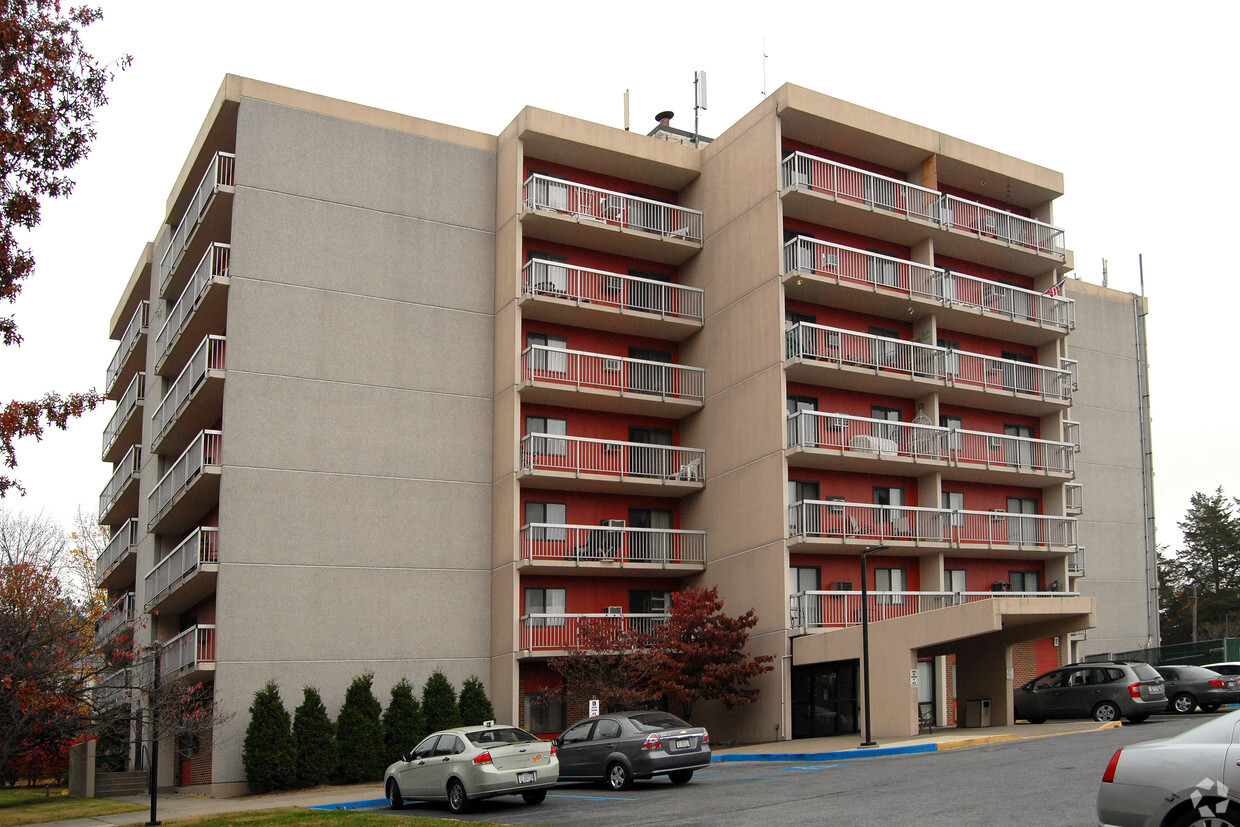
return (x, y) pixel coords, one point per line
(555, 741)
(406, 756)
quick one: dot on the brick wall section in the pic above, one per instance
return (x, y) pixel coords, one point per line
(200, 763)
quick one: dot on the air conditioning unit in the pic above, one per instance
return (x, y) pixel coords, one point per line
(841, 586)
(611, 365)
(614, 610)
(612, 523)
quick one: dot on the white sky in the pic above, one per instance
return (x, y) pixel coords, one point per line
(1128, 100)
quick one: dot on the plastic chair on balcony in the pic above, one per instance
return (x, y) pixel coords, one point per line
(600, 544)
(690, 471)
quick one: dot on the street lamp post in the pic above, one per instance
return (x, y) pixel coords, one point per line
(865, 640)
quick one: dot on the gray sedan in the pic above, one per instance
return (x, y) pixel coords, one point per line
(469, 763)
(1180, 781)
(621, 746)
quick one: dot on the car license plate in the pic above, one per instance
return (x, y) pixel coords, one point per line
(684, 743)
(527, 777)
(1156, 690)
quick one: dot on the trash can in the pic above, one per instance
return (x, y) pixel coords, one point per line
(977, 713)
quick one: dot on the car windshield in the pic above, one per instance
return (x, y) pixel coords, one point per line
(1198, 673)
(651, 721)
(1146, 672)
(499, 735)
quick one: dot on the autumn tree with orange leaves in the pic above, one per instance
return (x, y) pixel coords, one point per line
(50, 87)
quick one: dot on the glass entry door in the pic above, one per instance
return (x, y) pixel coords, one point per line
(824, 699)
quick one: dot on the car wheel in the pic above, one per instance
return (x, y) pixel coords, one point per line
(1194, 818)
(1136, 719)
(680, 776)
(458, 801)
(535, 796)
(1209, 707)
(1036, 720)
(618, 777)
(395, 800)
(1105, 712)
(1183, 703)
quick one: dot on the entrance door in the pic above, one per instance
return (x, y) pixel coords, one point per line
(926, 712)
(824, 699)
(649, 378)
(649, 462)
(1023, 531)
(1018, 452)
(650, 546)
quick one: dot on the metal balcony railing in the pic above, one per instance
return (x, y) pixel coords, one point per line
(206, 450)
(219, 173)
(191, 649)
(116, 618)
(819, 609)
(114, 690)
(127, 469)
(1070, 366)
(1074, 496)
(208, 357)
(1076, 561)
(559, 631)
(958, 368)
(129, 339)
(1072, 433)
(201, 547)
(611, 544)
(123, 539)
(849, 265)
(616, 209)
(950, 212)
(1016, 452)
(125, 406)
(928, 526)
(585, 455)
(601, 288)
(214, 265)
(579, 369)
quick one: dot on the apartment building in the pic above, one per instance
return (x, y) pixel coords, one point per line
(396, 396)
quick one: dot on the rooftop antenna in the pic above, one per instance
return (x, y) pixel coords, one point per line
(1104, 272)
(764, 57)
(699, 100)
(626, 110)
(1141, 272)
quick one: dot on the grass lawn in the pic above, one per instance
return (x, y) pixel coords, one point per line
(297, 817)
(33, 806)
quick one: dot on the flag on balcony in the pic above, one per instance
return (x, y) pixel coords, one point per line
(1056, 288)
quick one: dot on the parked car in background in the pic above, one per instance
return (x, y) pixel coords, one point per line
(1225, 668)
(1104, 691)
(1181, 780)
(470, 763)
(1188, 687)
(622, 746)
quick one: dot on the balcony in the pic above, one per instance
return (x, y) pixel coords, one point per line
(189, 488)
(1076, 562)
(632, 305)
(1072, 434)
(596, 381)
(856, 200)
(194, 401)
(114, 690)
(816, 523)
(130, 353)
(125, 426)
(210, 209)
(831, 609)
(114, 630)
(838, 276)
(1070, 366)
(571, 463)
(876, 364)
(614, 222)
(116, 564)
(187, 574)
(610, 548)
(190, 655)
(547, 634)
(199, 310)
(119, 499)
(1074, 498)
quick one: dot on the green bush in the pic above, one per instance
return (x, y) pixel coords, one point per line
(403, 724)
(439, 703)
(474, 705)
(315, 737)
(269, 753)
(359, 733)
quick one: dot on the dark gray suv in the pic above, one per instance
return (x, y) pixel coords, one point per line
(1104, 691)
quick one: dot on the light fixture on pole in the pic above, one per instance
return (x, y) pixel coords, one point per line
(865, 640)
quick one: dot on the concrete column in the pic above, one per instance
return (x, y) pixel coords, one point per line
(981, 672)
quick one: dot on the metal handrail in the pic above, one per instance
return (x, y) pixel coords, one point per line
(1074, 495)
(1072, 433)
(985, 221)
(1005, 528)
(201, 547)
(125, 407)
(208, 357)
(645, 377)
(611, 544)
(219, 173)
(1004, 451)
(826, 609)
(606, 289)
(127, 469)
(541, 630)
(845, 432)
(118, 615)
(214, 264)
(587, 455)
(194, 646)
(205, 451)
(123, 539)
(129, 339)
(618, 209)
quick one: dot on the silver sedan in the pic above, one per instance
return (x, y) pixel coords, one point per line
(470, 763)
(1183, 780)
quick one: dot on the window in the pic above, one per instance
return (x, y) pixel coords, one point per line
(650, 545)
(951, 360)
(652, 461)
(1023, 581)
(550, 194)
(885, 349)
(1018, 377)
(804, 579)
(649, 601)
(883, 431)
(607, 728)
(953, 501)
(1019, 452)
(803, 519)
(887, 496)
(553, 513)
(549, 275)
(645, 295)
(579, 733)
(647, 374)
(543, 359)
(801, 430)
(545, 602)
(954, 580)
(955, 423)
(1023, 530)
(890, 580)
(883, 271)
(540, 429)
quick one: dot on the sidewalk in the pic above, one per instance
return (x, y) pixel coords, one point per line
(173, 806)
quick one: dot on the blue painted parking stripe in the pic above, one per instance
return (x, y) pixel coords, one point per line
(351, 805)
(825, 756)
(590, 797)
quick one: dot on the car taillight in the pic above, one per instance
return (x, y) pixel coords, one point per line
(553, 749)
(1135, 690)
(1108, 777)
(705, 737)
(653, 741)
(1218, 683)
(483, 758)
